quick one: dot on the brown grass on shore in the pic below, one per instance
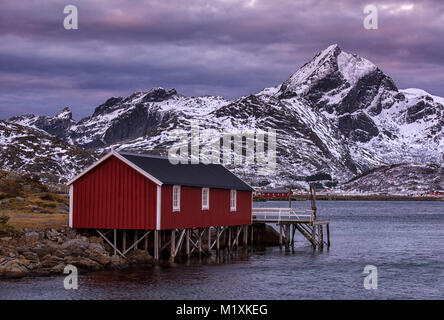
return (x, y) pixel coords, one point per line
(36, 221)
(29, 204)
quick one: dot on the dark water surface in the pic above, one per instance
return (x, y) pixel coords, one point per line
(404, 240)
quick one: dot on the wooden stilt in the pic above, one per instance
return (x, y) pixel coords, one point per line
(110, 243)
(134, 245)
(328, 234)
(321, 236)
(160, 241)
(287, 236)
(280, 236)
(136, 234)
(245, 242)
(292, 235)
(218, 232)
(115, 241)
(173, 245)
(229, 239)
(156, 245)
(146, 243)
(187, 242)
(180, 242)
(251, 236)
(200, 240)
(313, 235)
(209, 239)
(124, 240)
(238, 230)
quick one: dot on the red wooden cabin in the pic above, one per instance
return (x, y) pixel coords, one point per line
(131, 191)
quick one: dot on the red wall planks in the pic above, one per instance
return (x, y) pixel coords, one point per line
(114, 196)
(191, 214)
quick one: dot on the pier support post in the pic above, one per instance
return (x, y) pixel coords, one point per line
(173, 246)
(280, 236)
(160, 241)
(313, 236)
(209, 240)
(115, 241)
(218, 240)
(287, 236)
(124, 240)
(200, 240)
(156, 245)
(251, 236)
(146, 242)
(136, 237)
(328, 235)
(238, 230)
(187, 242)
(245, 244)
(229, 239)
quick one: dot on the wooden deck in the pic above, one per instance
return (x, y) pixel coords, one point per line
(278, 215)
(289, 220)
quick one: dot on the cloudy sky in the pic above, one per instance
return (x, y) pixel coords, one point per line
(220, 47)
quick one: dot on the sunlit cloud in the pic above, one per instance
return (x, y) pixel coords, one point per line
(396, 8)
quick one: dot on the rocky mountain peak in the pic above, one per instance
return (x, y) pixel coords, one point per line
(110, 105)
(344, 85)
(329, 71)
(159, 94)
(65, 113)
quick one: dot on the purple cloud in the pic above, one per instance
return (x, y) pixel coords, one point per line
(224, 47)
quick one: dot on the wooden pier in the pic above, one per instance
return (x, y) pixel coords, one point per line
(290, 220)
(178, 242)
(186, 242)
(304, 221)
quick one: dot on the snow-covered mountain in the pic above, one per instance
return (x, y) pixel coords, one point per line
(338, 114)
(57, 126)
(32, 151)
(398, 178)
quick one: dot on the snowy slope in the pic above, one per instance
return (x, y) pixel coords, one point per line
(399, 178)
(25, 150)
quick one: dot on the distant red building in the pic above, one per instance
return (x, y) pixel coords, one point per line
(274, 193)
(131, 191)
(437, 193)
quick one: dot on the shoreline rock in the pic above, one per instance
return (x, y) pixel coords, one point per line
(42, 253)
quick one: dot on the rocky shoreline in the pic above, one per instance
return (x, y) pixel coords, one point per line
(29, 252)
(48, 252)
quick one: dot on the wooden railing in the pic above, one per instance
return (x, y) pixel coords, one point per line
(282, 214)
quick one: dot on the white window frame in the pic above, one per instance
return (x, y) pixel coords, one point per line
(206, 206)
(176, 206)
(233, 203)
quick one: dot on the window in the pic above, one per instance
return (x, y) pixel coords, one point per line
(205, 198)
(176, 198)
(233, 200)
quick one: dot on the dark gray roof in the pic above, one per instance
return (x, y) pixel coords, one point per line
(195, 175)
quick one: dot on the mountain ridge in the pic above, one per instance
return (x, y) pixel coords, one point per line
(338, 114)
